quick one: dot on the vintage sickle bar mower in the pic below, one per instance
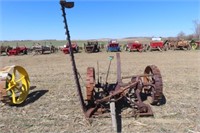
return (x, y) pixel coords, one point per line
(129, 94)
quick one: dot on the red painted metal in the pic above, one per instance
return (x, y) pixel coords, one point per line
(156, 44)
(66, 49)
(18, 50)
(134, 46)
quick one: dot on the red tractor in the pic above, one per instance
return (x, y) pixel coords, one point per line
(157, 44)
(75, 48)
(135, 46)
(18, 50)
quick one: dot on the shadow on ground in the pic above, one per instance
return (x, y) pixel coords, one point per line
(32, 97)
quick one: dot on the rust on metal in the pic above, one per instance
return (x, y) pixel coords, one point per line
(90, 82)
(147, 85)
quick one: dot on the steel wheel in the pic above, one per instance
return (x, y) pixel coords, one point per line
(17, 84)
(156, 88)
(194, 46)
(90, 83)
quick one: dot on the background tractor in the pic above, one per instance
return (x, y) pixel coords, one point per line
(66, 48)
(113, 46)
(158, 44)
(179, 44)
(19, 50)
(43, 49)
(135, 46)
(91, 47)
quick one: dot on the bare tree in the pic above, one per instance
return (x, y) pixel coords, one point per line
(197, 28)
(181, 35)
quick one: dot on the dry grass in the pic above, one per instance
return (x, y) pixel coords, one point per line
(53, 104)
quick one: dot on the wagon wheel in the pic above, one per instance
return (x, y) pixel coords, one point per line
(90, 83)
(194, 46)
(17, 85)
(7, 50)
(156, 88)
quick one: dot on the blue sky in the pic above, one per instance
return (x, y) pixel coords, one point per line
(94, 19)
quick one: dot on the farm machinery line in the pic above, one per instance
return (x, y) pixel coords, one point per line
(101, 97)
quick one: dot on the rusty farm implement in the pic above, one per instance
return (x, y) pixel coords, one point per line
(179, 44)
(102, 97)
(129, 94)
(158, 44)
(91, 47)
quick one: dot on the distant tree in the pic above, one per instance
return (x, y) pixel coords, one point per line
(197, 28)
(190, 37)
(181, 35)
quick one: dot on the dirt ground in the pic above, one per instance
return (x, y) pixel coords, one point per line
(53, 105)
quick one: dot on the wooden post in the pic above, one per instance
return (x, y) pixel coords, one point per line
(113, 115)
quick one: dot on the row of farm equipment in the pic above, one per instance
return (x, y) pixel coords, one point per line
(23, 50)
(95, 46)
(114, 46)
(161, 45)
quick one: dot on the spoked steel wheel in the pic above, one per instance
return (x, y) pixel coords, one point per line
(17, 84)
(155, 85)
(90, 83)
